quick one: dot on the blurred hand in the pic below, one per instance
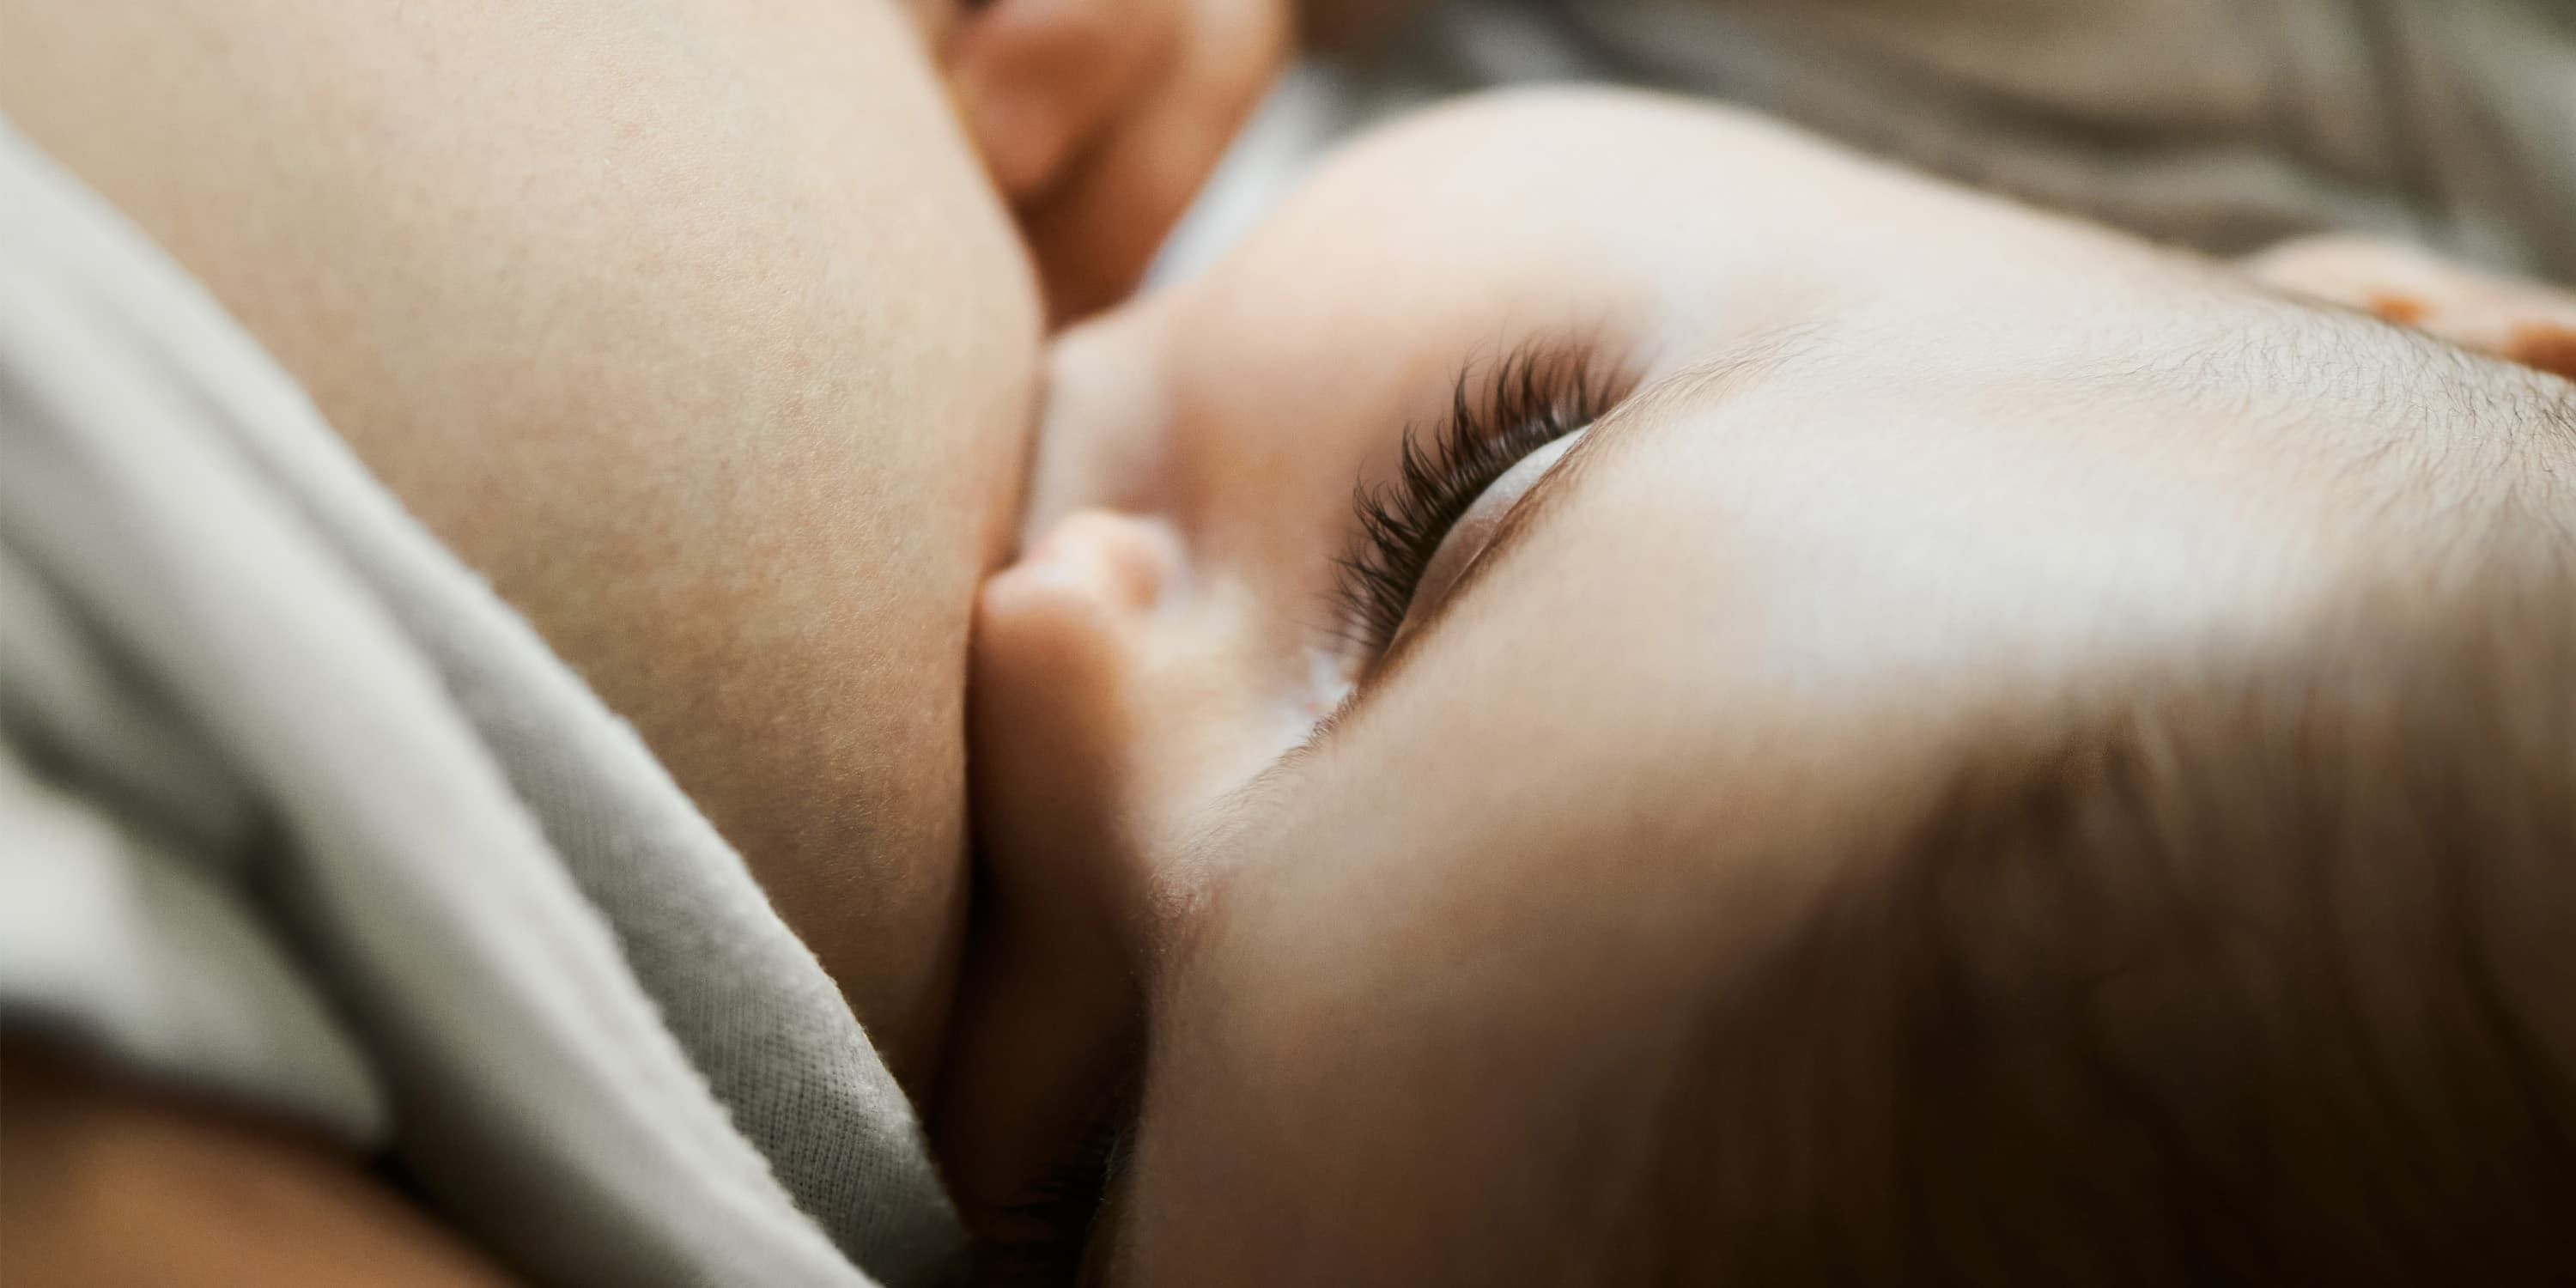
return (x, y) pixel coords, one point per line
(2532, 323)
(1100, 118)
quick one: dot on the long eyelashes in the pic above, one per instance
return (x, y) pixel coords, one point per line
(1531, 399)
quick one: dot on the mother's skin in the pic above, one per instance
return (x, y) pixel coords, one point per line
(693, 325)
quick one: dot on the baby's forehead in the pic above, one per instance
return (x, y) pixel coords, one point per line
(2192, 359)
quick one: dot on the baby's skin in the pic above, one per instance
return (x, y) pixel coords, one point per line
(1356, 880)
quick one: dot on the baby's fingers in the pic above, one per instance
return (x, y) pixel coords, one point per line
(2526, 322)
(1095, 231)
(1039, 80)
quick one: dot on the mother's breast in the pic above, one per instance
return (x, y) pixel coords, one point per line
(693, 325)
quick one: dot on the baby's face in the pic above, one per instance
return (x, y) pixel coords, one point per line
(1363, 904)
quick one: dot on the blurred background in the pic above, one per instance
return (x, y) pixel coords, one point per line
(2225, 125)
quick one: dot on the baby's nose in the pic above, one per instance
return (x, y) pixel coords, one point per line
(1069, 621)
(1126, 562)
(1065, 645)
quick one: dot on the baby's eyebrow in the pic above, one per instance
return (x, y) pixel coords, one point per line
(1615, 433)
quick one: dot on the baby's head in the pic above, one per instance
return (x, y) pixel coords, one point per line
(1878, 737)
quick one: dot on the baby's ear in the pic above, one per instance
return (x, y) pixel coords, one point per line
(2523, 321)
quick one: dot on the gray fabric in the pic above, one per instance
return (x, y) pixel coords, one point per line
(2220, 124)
(294, 809)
